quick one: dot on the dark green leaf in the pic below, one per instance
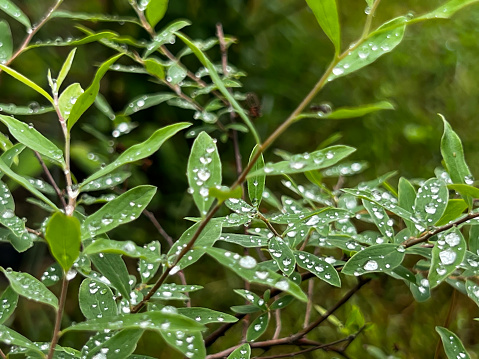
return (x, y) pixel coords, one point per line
(244, 240)
(96, 299)
(52, 275)
(127, 248)
(8, 303)
(146, 101)
(148, 267)
(326, 14)
(119, 346)
(349, 112)
(431, 201)
(257, 327)
(64, 239)
(108, 181)
(206, 316)
(452, 344)
(243, 352)
(319, 267)
(6, 49)
(251, 297)
(282, 255)
(14, 11)
(380, 219)
(256, 183)
(377, 258)
(406, 198)
(11, 337)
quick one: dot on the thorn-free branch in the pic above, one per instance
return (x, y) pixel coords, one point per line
(51, 180)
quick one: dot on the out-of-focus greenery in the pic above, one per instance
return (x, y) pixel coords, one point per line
(283, 51)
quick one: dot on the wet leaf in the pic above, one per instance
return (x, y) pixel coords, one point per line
(375, 45)
(326, 14)
(251, 297)
(87, 98)
(26, 81)
(243, 352)
(306, 162)
(256, 183)
(6, 49)
(176, 73)
(431, 201)
(147, 268)
(166, 35)
(31, 138)
(146, 101)
(64, 239)
(190, 344)
(96, 299)
(8, 304)
(204, 171)
(446, 10)
(29, 287)
(140, 150)
(244, 240)
(447, 254)
(282, 255)
(319, 267)
(127, 248)
(452, 344)
(406, 199)
(119, 346)
(14, 12)
(377, 258)
(257, 327)
(68, 99)
(380, 219)
(206, 315)
(93, 17)
(114, 269)
(11, 337)
(155, 68)
(108, 181)
(52, 275)
(348, 112)
(32, 109)
(125, 208)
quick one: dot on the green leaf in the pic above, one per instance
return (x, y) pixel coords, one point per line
(472, 291)
(123, 209)
(8, 303)
(344, 169)
(146, 101)
(68, 99)
(377, 258)
(245, 309)
(31, 138)
(243, 352)
(96, 299)
(176, 73)
(207, 238)
(319, 267)
(206, 315)
(155, 10)
(223, 193)
(219, 83)
(191, 345)
(446, 10)
(155, 68)
(27, 81)
(257, 327)
(153, 320)
(465, 190)
(6, 50)
(127, 248)
(247, 269)
(32, 109)
(172, 291)
(406, 198)
(306, 162)
(375, 45)
(447, 254)
(114, 269)
(474, 239)
(108, 181)
(52, 275)
(119, 346)
(348, 112)
(326, 14)
(65, 68)
(166, 35)
(140, 150)
(14, 11)
(453, 155)
(29, 287)
(204, 171)
(452, 344)
(282, 255)
(251, 297)
(256, 183)
(11, 337)
(74, 42)
(431, 201)
(244, 240)
(380, 219)
(147, 268)
(420, 290)
(64, 239)
(87, 98)
(282, 302)
(93, 17)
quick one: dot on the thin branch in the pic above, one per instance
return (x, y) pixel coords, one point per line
(268, 224)
(2, 354)
(58, 320)
(158, 226)
(277, 317)
(51, 180)
(309, 305)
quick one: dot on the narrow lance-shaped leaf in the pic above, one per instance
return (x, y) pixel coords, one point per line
(123, 209)
(306, 162)
(446, 10)
(206, 315)
(243, 352)
(147, 268)
(31, 138)
(108, 181)
(96, 299)
(32, 109)
(127, 248)
(326, 14)
(27, 82)
(431, 201)
(380, 219)
(8, 303)
(452, 344)
(465, 190)
(453, 155)
(406, 198)
(14, 11)
(204, 171)
(319, 267)
(94, 17)
(348, 112)
(219, 83)
(155, 10)
(282, 255)
(375, 45)
(64, 239)
(447, 254)
(377, 258)
(140, 150)
(74, 42)
(155, 68)
(146, 101)
(29, 287)
(65, 68)
(86, 99)
(6, 49)
(256, 183)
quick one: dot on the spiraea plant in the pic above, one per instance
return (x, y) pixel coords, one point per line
(121, 299)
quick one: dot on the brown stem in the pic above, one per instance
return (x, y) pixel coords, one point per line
(2, 354)
(277, 317)
(158, 227)
(51, 180)
(309, 305)
(268, 224)
(58, 321)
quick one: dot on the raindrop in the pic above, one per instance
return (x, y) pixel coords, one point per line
(371, 265)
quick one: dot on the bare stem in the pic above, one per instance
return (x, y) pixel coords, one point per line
(369, 19)
(2, 354)
(277, 317)
(58, 321)
(51, 180)
(309, 305)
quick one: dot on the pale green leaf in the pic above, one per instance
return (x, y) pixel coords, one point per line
(147, 268)
(190, 344)
(155, 68)
(326, 14)
(65, 68)
(64, 238)
(165, 36)
(68, 99)
(140, 150)
(446, 10)
(74, 42)
(26, 81)
(176, 73)
(94, 17)
(108, 181)
(32, 109)
(11, 337)
(380, 219)
(244, 240)
(349, 112)
(406, 198)
(118, 346)
(454, 209)
(127, 248)
(155, 10)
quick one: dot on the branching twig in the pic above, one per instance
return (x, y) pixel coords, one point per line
(51, 180)
(58, 320)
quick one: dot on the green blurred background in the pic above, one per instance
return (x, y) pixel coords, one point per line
(282, 49)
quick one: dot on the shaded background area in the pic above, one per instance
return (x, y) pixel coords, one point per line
(283, 51)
